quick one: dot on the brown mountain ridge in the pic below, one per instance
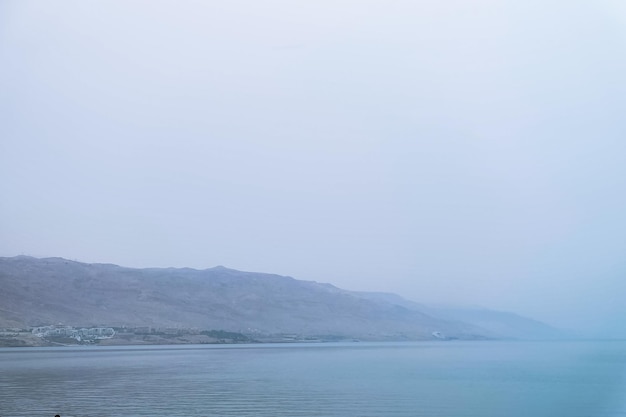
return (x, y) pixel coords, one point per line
(38, 292)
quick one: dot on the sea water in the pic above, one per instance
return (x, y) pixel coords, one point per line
(447, 379)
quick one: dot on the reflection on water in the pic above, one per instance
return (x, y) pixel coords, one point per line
(360, 379)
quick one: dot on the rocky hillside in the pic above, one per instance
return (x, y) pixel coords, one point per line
(55, 290)
(494, 324)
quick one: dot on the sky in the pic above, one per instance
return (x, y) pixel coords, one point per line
(455, 152)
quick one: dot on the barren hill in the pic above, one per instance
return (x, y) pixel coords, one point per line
(55, 290)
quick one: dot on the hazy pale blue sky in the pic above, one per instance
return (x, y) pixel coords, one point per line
(450, 151)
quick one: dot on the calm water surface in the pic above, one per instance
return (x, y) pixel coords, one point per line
(448, 379)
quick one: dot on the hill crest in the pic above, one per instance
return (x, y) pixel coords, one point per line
(56, 290)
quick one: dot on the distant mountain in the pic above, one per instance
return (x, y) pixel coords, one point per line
(495, 324)
(55, 290)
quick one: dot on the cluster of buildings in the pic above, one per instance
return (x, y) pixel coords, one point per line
(84, 334)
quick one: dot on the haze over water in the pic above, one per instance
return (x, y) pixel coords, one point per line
(451, 152)
(449, 379)
(456, 152)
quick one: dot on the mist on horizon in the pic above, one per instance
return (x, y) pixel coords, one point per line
(449, 152)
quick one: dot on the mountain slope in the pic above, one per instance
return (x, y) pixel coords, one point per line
(496, 324)
(55, 290)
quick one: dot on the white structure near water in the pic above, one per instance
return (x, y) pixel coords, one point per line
(92, 333)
